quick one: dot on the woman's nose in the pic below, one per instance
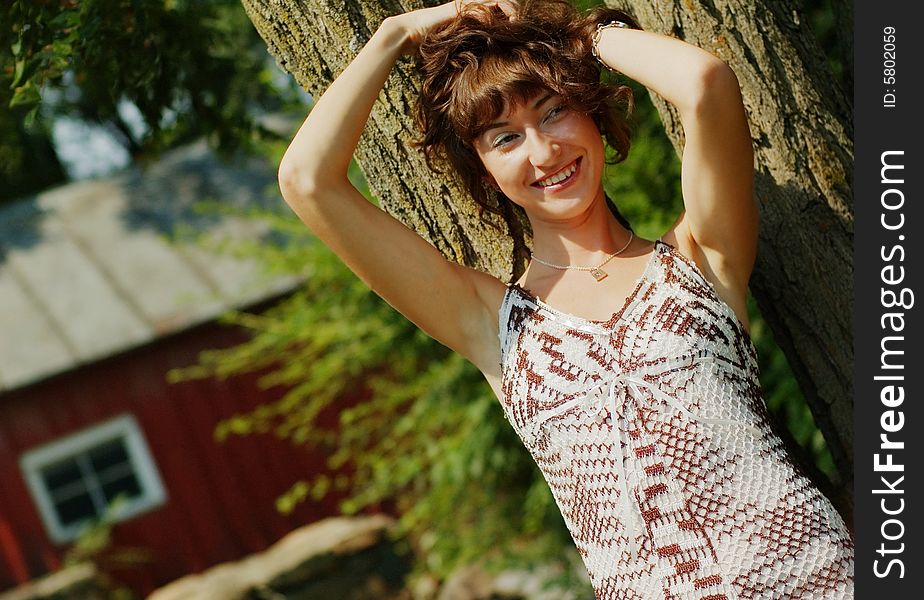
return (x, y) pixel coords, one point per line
(543, 150)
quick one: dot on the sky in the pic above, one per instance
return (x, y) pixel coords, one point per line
(88, 150)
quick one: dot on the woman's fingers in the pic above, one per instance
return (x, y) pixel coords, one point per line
(419, 22)
(508, 6)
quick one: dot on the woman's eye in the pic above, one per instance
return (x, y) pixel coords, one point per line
(503, 139)
(555, 112)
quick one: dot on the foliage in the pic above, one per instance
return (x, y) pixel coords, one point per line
(821, 18)
(784, 398)
(95, 545)
(191, 69)
(427, 436)
(646, 187)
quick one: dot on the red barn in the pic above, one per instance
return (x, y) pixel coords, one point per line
(96, 305)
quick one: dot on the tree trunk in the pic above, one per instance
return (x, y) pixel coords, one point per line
(802, 133)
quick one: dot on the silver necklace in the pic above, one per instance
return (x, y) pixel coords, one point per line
(598, 273)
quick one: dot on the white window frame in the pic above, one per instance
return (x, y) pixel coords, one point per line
(125, 427)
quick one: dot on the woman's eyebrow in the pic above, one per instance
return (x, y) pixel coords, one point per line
(543, 100)
(496, 125)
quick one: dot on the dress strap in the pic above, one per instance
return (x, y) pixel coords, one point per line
(662, 246)
(503, 317)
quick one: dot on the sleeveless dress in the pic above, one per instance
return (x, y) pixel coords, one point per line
(652, 434)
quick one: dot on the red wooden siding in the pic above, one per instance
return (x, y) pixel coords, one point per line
(220, 496)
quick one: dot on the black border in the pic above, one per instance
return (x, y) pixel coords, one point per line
(879, 129)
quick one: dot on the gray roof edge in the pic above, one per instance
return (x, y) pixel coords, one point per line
(38, 377)
(81, 256)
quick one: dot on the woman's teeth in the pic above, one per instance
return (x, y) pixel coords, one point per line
(559, 177)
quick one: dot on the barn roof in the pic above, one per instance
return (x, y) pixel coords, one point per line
(88, 270)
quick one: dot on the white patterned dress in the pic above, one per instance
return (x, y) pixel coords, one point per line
(652, 434)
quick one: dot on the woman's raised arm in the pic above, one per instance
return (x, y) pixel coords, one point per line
(719, 225)
(452, 303)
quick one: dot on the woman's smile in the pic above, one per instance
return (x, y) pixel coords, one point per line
(561, 178)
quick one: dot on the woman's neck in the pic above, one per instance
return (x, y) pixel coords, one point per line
(584, 240)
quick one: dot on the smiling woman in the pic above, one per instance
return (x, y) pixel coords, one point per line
(624, 364)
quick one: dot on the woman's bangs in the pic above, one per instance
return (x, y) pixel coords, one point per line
(490, 92)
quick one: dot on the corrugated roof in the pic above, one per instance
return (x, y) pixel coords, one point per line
(87, 270)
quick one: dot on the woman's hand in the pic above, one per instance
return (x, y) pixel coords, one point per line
(417, 24)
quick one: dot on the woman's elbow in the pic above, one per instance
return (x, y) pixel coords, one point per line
(295, 181)
(715, 86)
(718, 77)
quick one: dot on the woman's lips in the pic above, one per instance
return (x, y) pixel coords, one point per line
(564, 182)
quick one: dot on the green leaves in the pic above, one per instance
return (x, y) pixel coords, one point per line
(25, 95)
(40, 38)
(403, 420)
(191, 68)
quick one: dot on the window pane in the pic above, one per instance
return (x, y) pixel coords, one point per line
(114, 472)
(75, 510)
(108, 454)
(60, 474)
(127, 486)
(76, 478)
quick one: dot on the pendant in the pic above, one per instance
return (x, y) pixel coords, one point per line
(599, 274)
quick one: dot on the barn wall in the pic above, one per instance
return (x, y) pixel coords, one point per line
(220, 496)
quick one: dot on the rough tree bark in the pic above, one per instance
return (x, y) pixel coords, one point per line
(802, 130)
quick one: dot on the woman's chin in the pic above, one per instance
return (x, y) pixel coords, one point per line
(560, 209)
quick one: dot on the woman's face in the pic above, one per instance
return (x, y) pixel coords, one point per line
(545, 157)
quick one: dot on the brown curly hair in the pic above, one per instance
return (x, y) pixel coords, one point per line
(476, 64)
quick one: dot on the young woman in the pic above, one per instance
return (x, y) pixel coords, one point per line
(625, 365)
